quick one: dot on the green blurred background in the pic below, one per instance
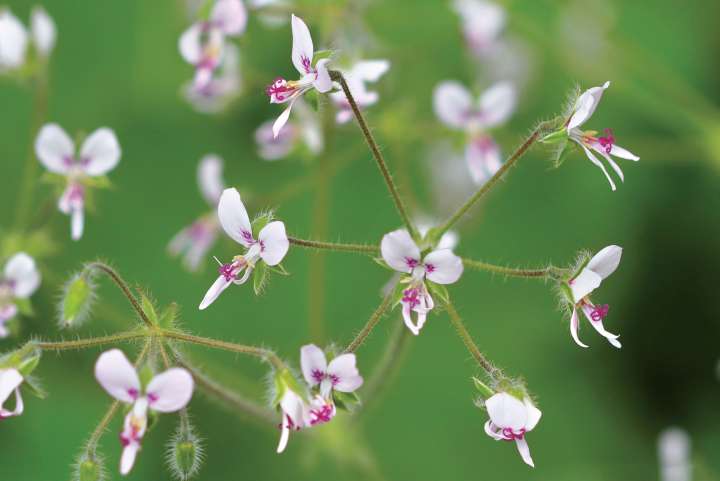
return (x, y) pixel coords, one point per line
(116, 64)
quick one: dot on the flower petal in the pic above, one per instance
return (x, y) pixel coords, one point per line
(618, 151)
(399, 251)
(574, 326)
(54, 148)
(210, 179)
(43, 30)
(230, 16)
(369, 70)
(534, 415)
(189, 44)
(443, 267)
(407, 318)
(344, 367)
(13, 41)
(100, 152)
(322, 83)
(282, 119)
(214, 292)
(506, 411)
(524, 451)
(22, 272)
(483, 158)
(491, 430)
(595, 161)
(497, 103)
(274, 242)
(117, 376)
(606, 261)
(171, 390)
(312, 359)
(77, 223)
(127, 460)
(452, 103)
(10, 380)
(302, 48)
(600, 328)
(234, 218)
(585, 106)
(585, 282)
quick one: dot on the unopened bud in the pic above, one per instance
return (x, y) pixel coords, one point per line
(76, 301)
(89, 468)
(185, 453)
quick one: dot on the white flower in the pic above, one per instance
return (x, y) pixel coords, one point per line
(675, 453)
(510, 420)
(590, 141)
(298, 414)
(482, 24)
(13, 41)
(166, 392)
(341, 374)
(20, 279)
(307, 128)
(270, 246)
(203, 44)
(357, 77)
(221, 89)
(195, 240)
(312, 77)
(456, 108)
(600, 266)
(10, 381)
(440, 266)
(43, 31)
(98, 155)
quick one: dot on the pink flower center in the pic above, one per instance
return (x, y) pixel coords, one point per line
(429, 268)
(599, 313)
(279, 90)
(322, 415)
(133, 393)
(411, 263)
(511, 435)
(318, 375)
(227, 271)
(411, 297)
(607, 141)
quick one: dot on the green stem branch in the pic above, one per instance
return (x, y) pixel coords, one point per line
(92, 341)
(122, 285)
(468, 341)
(371, 323)
(543, 273)
(335, 246)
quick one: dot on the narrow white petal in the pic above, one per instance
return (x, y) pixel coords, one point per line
(323, 83)
(43, 30)
(452, 103)
(234, 217)
(534, 415)
(585, 106)
(369, 70)
(189, 44)
(618, 151)
(210, 181)
(214, 292)
(117, 376)
(284, 435)
(302, 48)
(595, 161)
(574, 327)
(312, 359)
(491, 430)
(282, 119)
(127, 460)
(170, 391)
(600, 328)
(54, 148)
(77, 223)
(524, 451)
(10, 380)
(13, 41)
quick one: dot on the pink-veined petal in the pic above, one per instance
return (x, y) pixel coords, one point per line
(77, 222)
(22, 272)
(585, 106)
(497, 103)
(399, 251)
(618, 151)
(574, 327)
(344, 367)
(214, 292)
(595, 161)
(170, 391)
(302, 48)
(234, 217)
(230, 16)
(127, 460)
(483, 158)
(524, 451)
(600, 328)
(322, 83)
(442, 266)
(274, 242)
(407, 318)
(584, 283)
(506, 411)
(210, 181)
(100, 152)
(54, 148)
(117, 376)
(43, 30)
(13, 40)
(534, 415)
(452, 103)
(606, 261)
(312, 359)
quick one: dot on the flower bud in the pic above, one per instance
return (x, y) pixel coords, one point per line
(89, 468)
(185, 453)
(78, 296)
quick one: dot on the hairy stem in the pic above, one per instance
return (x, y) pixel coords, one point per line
(543, 273)
(122, 285)
(377, 154)
(371, 323)
(335, 246)
(468, 341)
(509, 163)
(92, 341)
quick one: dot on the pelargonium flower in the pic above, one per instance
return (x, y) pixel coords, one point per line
(583, 284)
(202, 45)
(166, 392)
(20, 280)
(10, 381)
(357, 77)
(510, 419)
(311, 76)
(307, 128)
(482, 24)
(270, 246)
(297, 413)
(340, 374)
(14, 38)
(222, 88)
(590, 141)
(456, 108)
(194, 241)
(440, 266)
(98, 155)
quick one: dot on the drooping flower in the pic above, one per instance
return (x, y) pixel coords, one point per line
(293, 416)
(582, 285)
(456, 108)
(440, 266)
(194, 241)
(166, 392)
(306, 129)
(311, 76)
(482, 24)
(203, 44)
(13, 41)
(98, 155)
(270, 246)
(591, 141)
(357, 78)
(340, 374)
(221, 89)
(10, 381)
(510, 419)
(20, 280)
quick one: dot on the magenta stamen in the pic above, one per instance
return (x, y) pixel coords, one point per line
(318, 375)
(607, 141)
(411, 297)
(279, 90)
(511, 435)
(599, 313)
(322, 415)
(227, 271)
(411, 263)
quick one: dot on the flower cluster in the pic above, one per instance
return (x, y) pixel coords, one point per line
(15, 39)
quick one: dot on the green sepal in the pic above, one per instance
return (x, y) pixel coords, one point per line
(77, 297)
(279, 269)
(54, 179)
(24, 307)
(439, 291)
(322, 54)
(35, 389)
(148, 308)
(89, 470)
(145, 374)
(560, 153)
(347, 401)
(259, 277)
(284, 380)
(29, 363)
(168, 316)
(483, 388)
(381, 262)
(567, 292)
(261, 221)
(555, 137)
(101, 182)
